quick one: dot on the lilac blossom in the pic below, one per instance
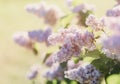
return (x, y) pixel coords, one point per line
(33, 72)
(40, 35)
(50, 14)
(61, 35)
(85, 74)
(53, 14)
(73, 42)
(95, 23)
(112, 24)
(55, 72)
(72, 65)
(84, 7)
(37, 9)
(82, 11)
(22, 39)
(114, 12)
(111, 46)
(50, 60)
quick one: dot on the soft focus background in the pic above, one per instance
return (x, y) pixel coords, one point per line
(14, 60)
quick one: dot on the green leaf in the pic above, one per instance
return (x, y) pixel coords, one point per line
(76, 59)
(89, 56)
(74, 82)
(63, 65)
(106, 65)
(113, 79)
(35, 51)
(58, 82)
(49, 82)
(46, 56)
(65, 21)
(68, 81)
(36, 48)
(95, 53)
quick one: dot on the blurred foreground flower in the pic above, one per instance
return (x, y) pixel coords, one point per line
(114, 12)
(113, 24)
(111, 46)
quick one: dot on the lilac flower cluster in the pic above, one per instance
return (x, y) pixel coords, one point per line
(112, 24)
(85, 74)
(56, 72)
(73, 40)
(37, 9)
(84, 7)
(82, 11)
(72, 65)
(95, 23)
(50, 60)
(111, 46)
(33, 72)
(114, 12)
(50, 14)
(40, 35)
(61, 35)
(22, 39)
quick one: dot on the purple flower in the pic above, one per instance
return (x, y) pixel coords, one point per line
(22, 39)
(84, 7)
(50, 14)
(40, 35)
(72, 41)
(111, 46)
(85, 74)
(50, 60)
(37, 9)
(33, 72)
(56, 72)
(95, 23)
(114, 12)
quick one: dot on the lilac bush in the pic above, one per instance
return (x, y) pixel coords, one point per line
(82, 36)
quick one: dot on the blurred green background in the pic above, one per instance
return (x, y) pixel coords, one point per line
(14, 60)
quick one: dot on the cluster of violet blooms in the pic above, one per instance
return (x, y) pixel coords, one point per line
(27, 39)
(110, 42)
(50, 14)
(72, 41)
